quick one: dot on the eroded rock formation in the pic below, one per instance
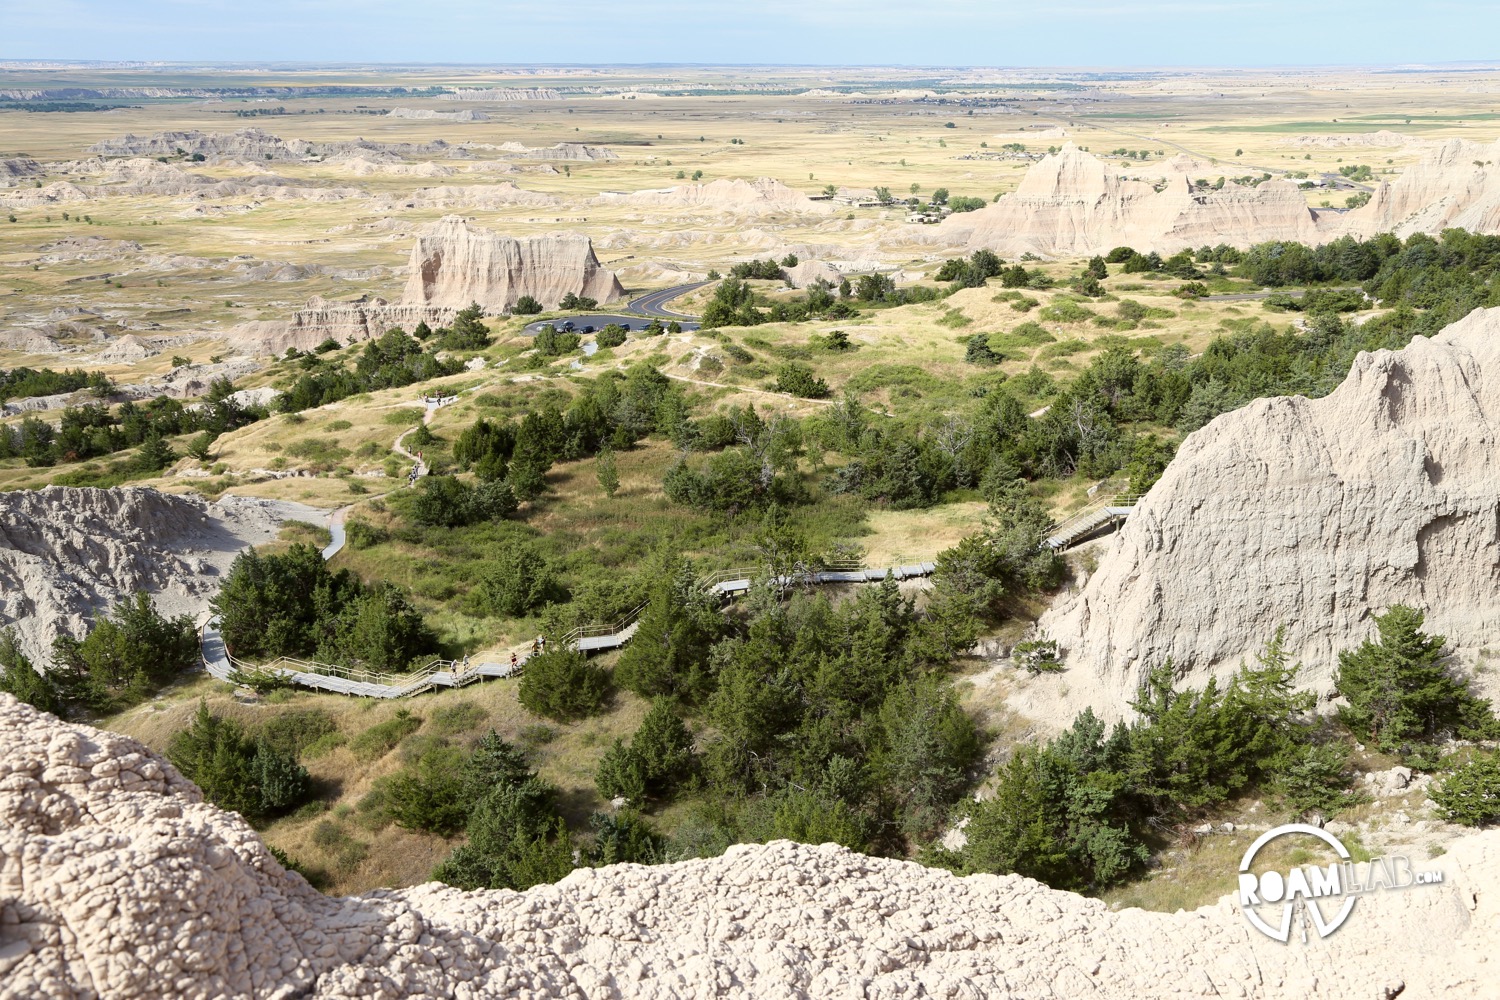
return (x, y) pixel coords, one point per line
(68, 553)
(1308, 513)
(1455, 185)
(319, 319)
(454, 264)
(762, 196)
(1073, 204)
(257, 145)
(118, 881)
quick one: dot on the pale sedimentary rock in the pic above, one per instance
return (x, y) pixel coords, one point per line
(1074, 204)
(345, 322)
(118, 881)
(1314, 514)
(1455, 185)
(454, 264)
(67, 554)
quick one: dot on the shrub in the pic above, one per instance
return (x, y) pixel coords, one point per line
(252, 778)
(978, 351)
(293, 732)
(1470, 794)
(1066, 311)
(443, 501)
(613, 335)
(526, 305)
(459, 717)
(799, 380)
(428, 793)
(562, 684)
(516, 581)
(363, 534)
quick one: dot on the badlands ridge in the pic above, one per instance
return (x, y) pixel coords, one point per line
(117, 880)
(453, 264)
(1307, 513)
(1073, 204)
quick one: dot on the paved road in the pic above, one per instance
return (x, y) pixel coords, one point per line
(652, 304)
(599, 321)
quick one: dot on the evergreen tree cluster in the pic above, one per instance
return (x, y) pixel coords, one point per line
(94, 429)
(1079, 811)
(251, 776)
(515, 836)
(613, 411)
(129, 652)
(392, 360)
(291, 604)
(20, 383)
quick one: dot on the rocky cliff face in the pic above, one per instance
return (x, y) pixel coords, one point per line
(455, 264)
(1456, 185)
(319, 319)
(118, 881)
(1313, 514)
(1071, 204)
(66, 554)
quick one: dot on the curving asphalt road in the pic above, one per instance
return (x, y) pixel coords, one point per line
(652, 304)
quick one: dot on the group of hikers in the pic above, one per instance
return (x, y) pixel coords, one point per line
(538, 645)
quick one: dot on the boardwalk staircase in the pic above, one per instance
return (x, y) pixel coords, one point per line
(1103, 514)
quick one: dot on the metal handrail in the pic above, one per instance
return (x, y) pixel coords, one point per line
(1080, 518)
(404, 685)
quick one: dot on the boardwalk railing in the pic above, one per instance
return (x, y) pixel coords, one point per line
(1105, 512)
(452, 674)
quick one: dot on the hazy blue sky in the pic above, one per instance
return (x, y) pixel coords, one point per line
(847, 32)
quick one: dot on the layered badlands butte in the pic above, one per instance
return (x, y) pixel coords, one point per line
(1073, 204)
(118, 880)
(453, 264)
(1310, 514)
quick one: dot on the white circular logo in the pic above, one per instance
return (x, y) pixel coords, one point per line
(1308, 883)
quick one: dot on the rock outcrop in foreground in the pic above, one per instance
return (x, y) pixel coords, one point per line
(67, 553)
(454, 264)
(1309, 513)
(118, 881)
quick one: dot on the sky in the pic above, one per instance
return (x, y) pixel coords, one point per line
(1074, 33)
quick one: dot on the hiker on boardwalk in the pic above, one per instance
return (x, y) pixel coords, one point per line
(466, 665)
(536, 645)
(543, 640)
(514, 662)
